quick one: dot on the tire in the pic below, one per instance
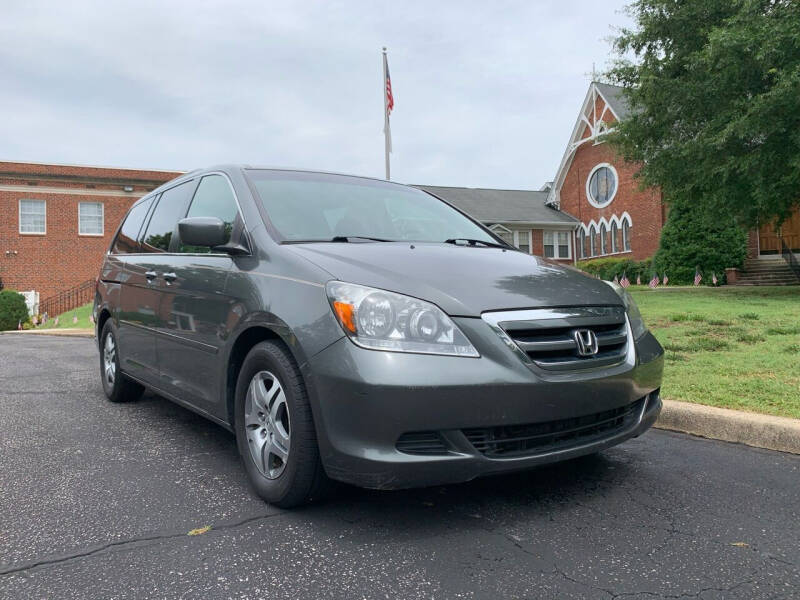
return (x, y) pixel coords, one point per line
(275, 429)
(116, 385)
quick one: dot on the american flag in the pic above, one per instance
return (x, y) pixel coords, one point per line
(654, 281)
(91, 318)
(19, 325)
(697, 277)
(714, 278)
(389, 97)
(74, 318)
(665, 279)
(624, 282)
(638, 280)
(56, 322)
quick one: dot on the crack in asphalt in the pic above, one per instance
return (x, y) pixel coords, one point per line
(135, 541)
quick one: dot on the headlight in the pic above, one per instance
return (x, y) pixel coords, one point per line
(634, 316)
(381, 320)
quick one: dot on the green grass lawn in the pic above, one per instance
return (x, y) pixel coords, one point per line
(65, 321)
(734, 347)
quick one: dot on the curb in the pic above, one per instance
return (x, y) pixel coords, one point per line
(85, 333)
(751, 429)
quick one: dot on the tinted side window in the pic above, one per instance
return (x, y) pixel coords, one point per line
(213, 198)
(128, 237)
(170, 209)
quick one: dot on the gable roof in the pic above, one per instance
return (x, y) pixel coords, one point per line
(615, 97)
(502, 206)
(615, 103)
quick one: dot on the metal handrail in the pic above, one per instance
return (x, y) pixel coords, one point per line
(68, 299)
(790, 259)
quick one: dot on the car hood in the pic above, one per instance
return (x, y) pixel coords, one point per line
(461, 280)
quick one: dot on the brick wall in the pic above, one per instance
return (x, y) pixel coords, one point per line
(61, 258)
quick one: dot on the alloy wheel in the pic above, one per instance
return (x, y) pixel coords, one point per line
(110, 360)
(266, 421)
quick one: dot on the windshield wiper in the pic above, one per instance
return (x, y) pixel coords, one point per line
(347, 238)
(471, 242)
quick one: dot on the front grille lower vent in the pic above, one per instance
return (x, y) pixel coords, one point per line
(547, 337)
(539, 438)
(421, 442)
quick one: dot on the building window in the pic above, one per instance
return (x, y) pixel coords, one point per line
(603, 236)
(90, 218)
(523, 241)
(556, 244)
(582, 243)
(33, 216)
(563, 244)
(626, 236)
(614, 245)
(601, 185)
(592, 241)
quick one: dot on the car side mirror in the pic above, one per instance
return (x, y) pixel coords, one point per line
(202, 231)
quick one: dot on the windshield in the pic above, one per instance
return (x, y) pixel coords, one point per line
(318, 207)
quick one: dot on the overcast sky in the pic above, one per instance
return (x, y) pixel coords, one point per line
(486, 92)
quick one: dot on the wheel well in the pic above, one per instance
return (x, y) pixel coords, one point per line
(101, 321)
(244, 343)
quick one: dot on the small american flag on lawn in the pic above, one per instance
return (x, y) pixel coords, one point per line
(654, 281)
(56, 322)
(714, 278)
(638, 280)
(19, 325)
(74, 318)
(697, 277)
(91, 319)
(624, 282)
(665, 279)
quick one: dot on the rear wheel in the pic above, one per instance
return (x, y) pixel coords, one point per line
(275, 429)
(116, 385)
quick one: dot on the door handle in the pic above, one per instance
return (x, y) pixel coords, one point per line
(150, 275)
(169, 277)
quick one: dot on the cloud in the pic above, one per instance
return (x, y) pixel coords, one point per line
(486, 92)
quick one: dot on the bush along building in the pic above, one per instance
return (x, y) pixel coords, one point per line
(56, 221)
(617, 219)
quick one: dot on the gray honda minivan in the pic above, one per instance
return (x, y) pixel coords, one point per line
(358, 330)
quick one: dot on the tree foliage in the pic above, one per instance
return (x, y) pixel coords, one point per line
(694, 237)
(13, 309)
(714, 88)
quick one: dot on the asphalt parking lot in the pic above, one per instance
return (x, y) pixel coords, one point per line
(97, 499)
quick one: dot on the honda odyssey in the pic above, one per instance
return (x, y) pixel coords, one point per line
(364, 331)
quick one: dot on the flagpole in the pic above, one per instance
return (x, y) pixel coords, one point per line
(386, 134)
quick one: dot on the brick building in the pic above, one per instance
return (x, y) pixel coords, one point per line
(56, 221)
(615, 217)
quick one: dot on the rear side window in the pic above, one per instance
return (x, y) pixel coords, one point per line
(170, 209)
(127, 240)
(213, 198)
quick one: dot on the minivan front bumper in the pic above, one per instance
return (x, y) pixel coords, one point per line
(366, 401)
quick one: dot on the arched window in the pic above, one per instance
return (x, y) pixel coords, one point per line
(614, 244)
(626, 236)
(581, 243)
(603, 236)
(592, 241)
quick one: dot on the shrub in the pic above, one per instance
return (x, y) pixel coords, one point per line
(608, 268)
(694, 238)
(13, 310)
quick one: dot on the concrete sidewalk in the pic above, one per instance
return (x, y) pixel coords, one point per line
(65, 332)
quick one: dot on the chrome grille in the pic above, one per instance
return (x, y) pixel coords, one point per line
(548, 337)
(539, 438)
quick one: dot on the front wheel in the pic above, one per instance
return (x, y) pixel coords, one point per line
(275, 429)
(116, 385)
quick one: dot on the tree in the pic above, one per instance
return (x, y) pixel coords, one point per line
(714, 91)
(13, 309)
(694, 237)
